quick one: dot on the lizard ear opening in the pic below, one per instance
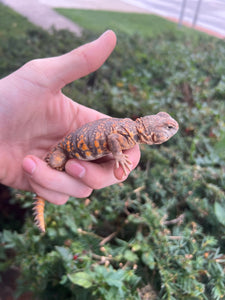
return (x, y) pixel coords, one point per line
(154, 138)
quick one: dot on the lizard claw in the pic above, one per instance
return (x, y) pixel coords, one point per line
(123, 161)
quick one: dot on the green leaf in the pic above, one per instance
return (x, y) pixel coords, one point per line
(116, 282)
(115, 278)
(148, 259)
(220, 212)
(65, 253)
(130, 256)
(69, 221)
(63, 280)
(81, 278)
(136, 247)
(220, 146)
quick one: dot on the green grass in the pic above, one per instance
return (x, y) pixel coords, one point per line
(130, 23)
(12, 24)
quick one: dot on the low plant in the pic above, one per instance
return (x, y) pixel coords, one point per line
(160, 234)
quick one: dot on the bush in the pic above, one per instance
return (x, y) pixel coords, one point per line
(160, 233)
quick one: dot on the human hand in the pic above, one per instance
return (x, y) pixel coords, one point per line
(35, 115)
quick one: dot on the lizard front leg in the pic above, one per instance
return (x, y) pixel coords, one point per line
(117, 143)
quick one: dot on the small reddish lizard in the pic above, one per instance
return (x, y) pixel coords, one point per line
(109, 135)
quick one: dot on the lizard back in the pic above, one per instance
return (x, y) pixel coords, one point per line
(90, 141)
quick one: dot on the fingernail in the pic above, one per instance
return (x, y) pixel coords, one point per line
(119, 174)
(75, 169)
(29, 165)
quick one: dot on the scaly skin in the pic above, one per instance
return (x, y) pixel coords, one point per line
(110, 135)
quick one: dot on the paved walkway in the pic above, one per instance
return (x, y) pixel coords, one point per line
(40, 12)
(210, 18)
(113, 5)
(42, 15)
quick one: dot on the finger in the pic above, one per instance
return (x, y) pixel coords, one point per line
(79, 62)
(51, 196)
(96, 176)
(100, 175)
(40, 175)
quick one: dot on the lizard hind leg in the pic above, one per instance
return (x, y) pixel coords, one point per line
(38, 209)
(56, 159)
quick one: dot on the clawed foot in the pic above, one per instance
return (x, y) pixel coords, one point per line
(123, 161)
(56, 159)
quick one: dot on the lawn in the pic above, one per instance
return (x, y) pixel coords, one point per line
(130, 23)
(12, 24)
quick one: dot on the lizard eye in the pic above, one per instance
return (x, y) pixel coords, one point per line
(170, 127)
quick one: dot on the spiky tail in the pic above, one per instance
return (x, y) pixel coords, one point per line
(39, 206)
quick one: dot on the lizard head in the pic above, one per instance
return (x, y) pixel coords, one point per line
(156, 129)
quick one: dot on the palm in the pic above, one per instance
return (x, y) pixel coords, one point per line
(41, 117)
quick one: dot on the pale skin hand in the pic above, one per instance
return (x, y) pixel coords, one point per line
(35, 115)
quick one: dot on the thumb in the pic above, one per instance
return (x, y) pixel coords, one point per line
(63, 69)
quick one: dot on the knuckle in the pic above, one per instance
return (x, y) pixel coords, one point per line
(83, 192)
(60, 200)
(86, 192)
(98, 183)
(53, 197)
(32, 64)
